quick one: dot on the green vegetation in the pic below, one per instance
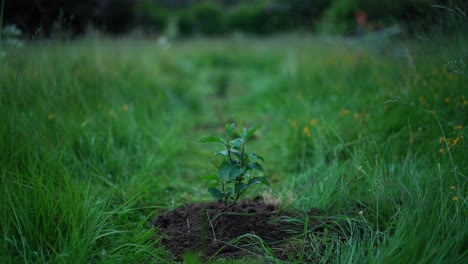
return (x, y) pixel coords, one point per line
(237, 167)
(98, 136)
(151, 18)
(220, 18)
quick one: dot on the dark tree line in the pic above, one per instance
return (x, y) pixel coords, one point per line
(44, 16)
(211, 17)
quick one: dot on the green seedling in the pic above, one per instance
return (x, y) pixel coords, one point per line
(237, 167)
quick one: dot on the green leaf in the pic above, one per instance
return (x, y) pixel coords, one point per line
(240, 186)
(259, 180)
(230, 128)
(228, 193)
(217, 194)
(222, 152)
(236, 152)
(255, 166)
(224, 170)
(206, 139)
(237, 134)
(250, 131)
(237, 142)
(254, 156)
(235, 172)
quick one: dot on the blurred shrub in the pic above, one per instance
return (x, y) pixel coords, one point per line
(246, 17)
(339, 17)
(275, 17)
(260, 18)
(441, 18)
(151, 17)
(307, 13)
(185, 24)
(241, 17)
(117, 16)
(205, 17)
(390, 11)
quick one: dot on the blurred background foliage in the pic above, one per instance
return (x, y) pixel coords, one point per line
(214, 18)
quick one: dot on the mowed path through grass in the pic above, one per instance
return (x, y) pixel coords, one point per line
(99, 135)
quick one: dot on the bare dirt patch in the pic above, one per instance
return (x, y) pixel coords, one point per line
(206, 230)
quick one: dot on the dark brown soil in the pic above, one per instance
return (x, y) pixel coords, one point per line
(205, 230)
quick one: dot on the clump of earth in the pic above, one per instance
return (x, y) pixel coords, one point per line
(210, 230)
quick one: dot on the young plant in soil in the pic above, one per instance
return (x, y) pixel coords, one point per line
(236, 170)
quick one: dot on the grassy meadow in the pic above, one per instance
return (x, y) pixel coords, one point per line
(98, 136)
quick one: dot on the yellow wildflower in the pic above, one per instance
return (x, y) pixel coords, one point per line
(293, 123)
(441, 151)
(306, 131)
(455, 199)
(361, 213)
(125, 107)
(453, 187)
(345, 111)
(446, 100)
(459, 127)
(313, 122)
(51, 116)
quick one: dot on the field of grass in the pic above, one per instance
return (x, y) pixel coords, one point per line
(98, 136)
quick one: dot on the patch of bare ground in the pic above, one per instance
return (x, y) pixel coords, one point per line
(206, 230)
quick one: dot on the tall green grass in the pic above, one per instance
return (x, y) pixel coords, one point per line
(98, 136)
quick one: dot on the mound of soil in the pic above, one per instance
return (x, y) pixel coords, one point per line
(206, 230)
